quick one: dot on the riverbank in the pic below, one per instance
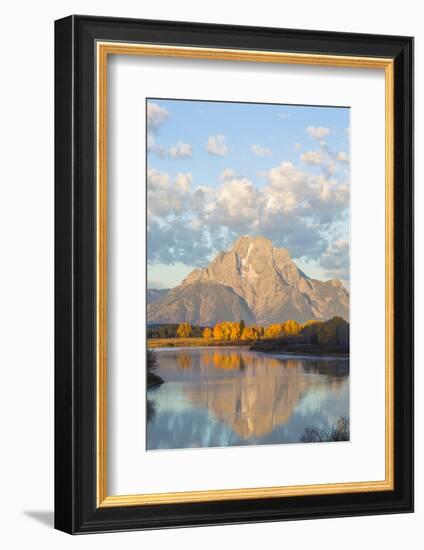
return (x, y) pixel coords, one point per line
(264, 346)
(153, 343)
(278, 347)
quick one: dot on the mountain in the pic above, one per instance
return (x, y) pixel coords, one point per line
(200, 303)
(154, 294)
(254, 281)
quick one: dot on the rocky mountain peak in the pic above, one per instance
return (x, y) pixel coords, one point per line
(246, 244)
(247, 261)
(269, 283)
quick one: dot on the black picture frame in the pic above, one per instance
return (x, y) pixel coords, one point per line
(76, 510)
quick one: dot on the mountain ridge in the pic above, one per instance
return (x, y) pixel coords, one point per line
(267, 287)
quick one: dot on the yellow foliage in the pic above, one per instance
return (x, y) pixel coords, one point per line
(207, 333)
(232, 331)
(235, 331)
(273, 331)
(291, 327)
(227, 330)
(250, 333)
(218, 333)
(184, 330)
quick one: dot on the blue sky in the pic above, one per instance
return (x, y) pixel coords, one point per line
(219, 170)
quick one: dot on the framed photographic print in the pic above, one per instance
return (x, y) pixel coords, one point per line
(234, 269)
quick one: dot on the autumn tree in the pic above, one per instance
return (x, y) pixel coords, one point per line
(245, 334)
(235, 331)
(250, 333)
(273, 331)
(291, 328)
(207, 333)
(226, 330)
(217, 332)
(184, 330)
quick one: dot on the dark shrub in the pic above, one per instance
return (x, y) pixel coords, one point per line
(339, 431)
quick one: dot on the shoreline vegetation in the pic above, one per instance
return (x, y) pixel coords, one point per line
(314, 338)
(152, 378)
(337, 431)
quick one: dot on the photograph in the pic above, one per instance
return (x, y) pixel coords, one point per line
(211, 275)
(234, 267)
(248, 279)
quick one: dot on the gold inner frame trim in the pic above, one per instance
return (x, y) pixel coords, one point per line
(104, 49)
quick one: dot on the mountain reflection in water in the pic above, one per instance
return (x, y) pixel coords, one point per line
(233, 396)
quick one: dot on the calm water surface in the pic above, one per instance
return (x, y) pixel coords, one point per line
(232, 396)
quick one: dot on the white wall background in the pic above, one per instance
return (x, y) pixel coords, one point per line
(26, 274)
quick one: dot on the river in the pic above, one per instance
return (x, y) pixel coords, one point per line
(219, 397)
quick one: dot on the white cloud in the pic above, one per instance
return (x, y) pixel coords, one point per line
(312, 157)
(324, 158)
(295, 209)
(174, 242)
(315, 197)
(318, 132)
(236, 204)
(166, 195)
(160, 200)
(180, 150)
(227, 174)
(195, 223)
(335, 260)
(260, 151)
(183, 182)
(217, 145)
(154, 147)
(330, 168)
(285, 190)
(156, 116)
(157, 179)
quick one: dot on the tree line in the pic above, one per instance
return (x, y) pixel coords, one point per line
(333, 331)
(169, 330)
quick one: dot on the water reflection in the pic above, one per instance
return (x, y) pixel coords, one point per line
(233, 396)
(184, 360)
